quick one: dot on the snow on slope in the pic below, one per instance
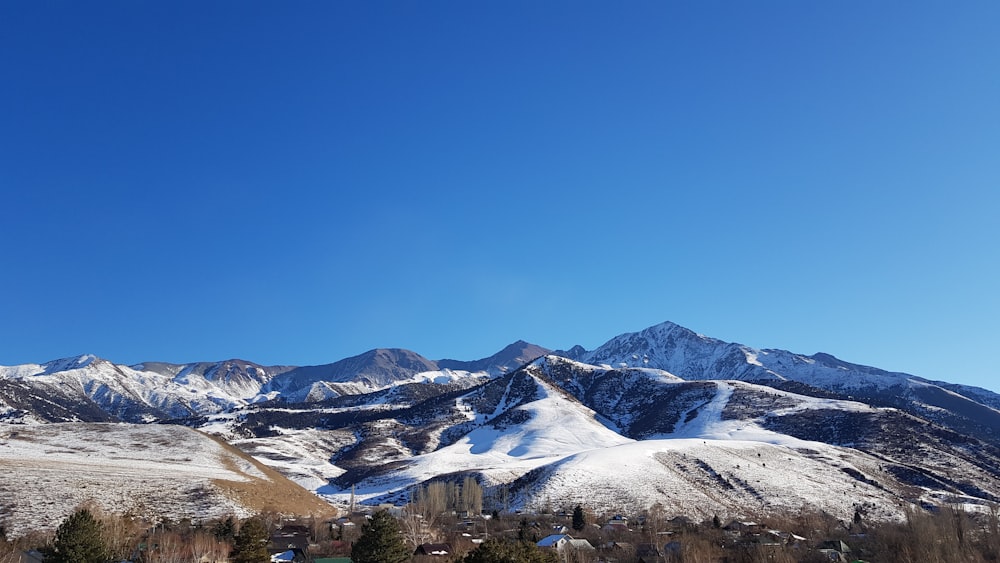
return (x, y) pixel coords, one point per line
(155, 391)
(700, 478)
(554, 426)
(300, 455)
(127, 392)
(690, 355)
(710, 425)
(708, 465)
(681, 352)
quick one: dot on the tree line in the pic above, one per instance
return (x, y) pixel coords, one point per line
(949, 534)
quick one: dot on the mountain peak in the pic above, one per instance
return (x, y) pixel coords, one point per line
(510, 358)
(66, 364)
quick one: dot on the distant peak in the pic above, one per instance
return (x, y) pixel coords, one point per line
(517, 346)
(574, 353)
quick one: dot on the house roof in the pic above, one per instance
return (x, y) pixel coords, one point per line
(549, 541)
(580, 544)
(836, 545)
(291, 537)
(620, 545)
(434, 549)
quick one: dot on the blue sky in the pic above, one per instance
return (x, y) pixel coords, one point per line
(293, 183)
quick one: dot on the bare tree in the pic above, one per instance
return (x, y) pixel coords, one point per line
(204, 546)
(122, 534)
(427, 503)
(165, 546)
(431, 501)
(472, 495)
(415, 528)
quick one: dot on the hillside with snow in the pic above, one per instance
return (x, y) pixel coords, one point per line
(693, 356)
(538, 444)
(664, 415)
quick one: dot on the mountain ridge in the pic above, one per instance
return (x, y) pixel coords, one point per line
(686, 412)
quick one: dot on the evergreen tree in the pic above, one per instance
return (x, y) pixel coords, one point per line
(579, 520)
(496, 550)
(380, 541)
(250, 544)
(225, 530)
(716, 523)
(79, 540)
(526, 533)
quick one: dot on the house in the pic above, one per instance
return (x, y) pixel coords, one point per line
(836, 545)
(832, 555)
(742, 528)
(567, 547)
(835, 550)
(784, 538)
(767, 543)
(615, 525)
(554, 541)
(290, 543)
(289, 556)
(397, 511)
(559, 529)
(290, 537)
(434, 549)
(619, 546)
(679, 523)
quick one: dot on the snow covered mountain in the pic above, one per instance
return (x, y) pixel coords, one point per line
(662, 415)
(91, 389)
(88, 388)
(692, 356)
(558, 431)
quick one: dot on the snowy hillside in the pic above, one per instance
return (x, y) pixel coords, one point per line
(731, 478)
(93, 389)
(662, 415)
(87, 388)
(530, 440)
(693, 356)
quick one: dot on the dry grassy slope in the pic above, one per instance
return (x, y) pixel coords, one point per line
(276, 494)
(147, 471)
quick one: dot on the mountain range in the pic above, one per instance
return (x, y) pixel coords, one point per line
(664, 415)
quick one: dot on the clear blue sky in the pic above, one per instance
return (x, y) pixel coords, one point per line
(296, 182)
